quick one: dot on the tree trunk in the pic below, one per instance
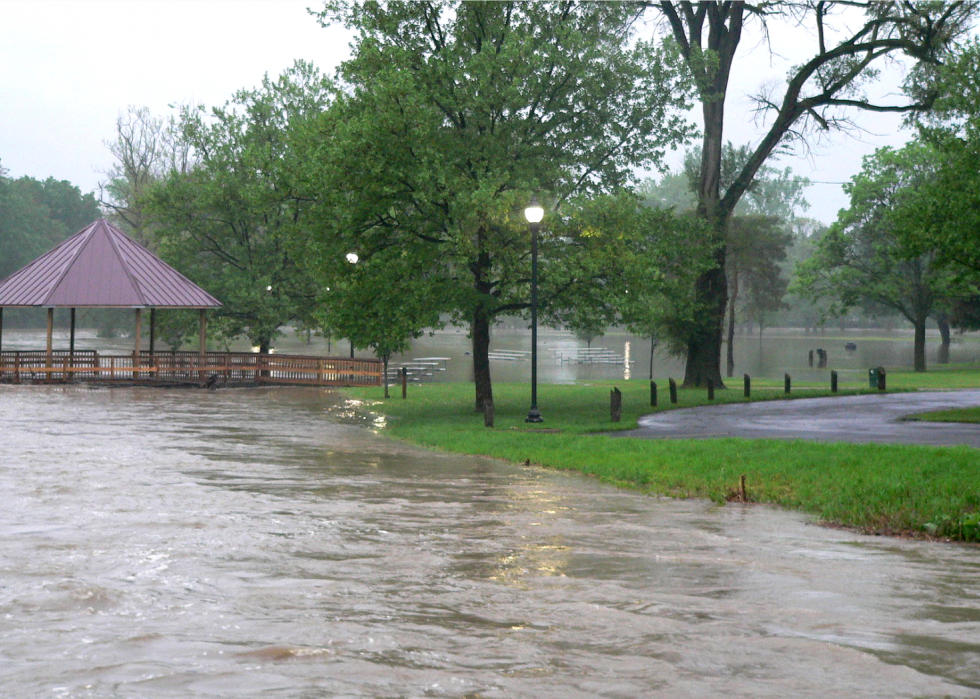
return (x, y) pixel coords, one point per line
(943, 322)
(704, 344)
(480, 334)
(711, 289)
(731, 327)
(653, 348)
(919, 351)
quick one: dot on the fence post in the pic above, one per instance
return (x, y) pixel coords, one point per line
(787, 383)
(653, 394)
(711, 389)
(809, 358)
(673, 391)
(404, 377)
(881, 378)
(833, 382)
(616, 404)
(488, 413)
(746, 386)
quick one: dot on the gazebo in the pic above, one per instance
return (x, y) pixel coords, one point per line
(102, 267)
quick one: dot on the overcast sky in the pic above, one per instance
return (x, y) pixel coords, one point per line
(69, 68)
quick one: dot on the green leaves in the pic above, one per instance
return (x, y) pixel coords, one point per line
(226, 221)
(453, 115)
(36, 215)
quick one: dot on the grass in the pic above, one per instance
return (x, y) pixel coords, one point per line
(956, 415)
(937, 377)
(885, 489)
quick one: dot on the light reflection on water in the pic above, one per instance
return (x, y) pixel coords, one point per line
(265, 542)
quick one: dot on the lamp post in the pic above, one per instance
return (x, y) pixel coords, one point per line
(534, 213)
(352, 258)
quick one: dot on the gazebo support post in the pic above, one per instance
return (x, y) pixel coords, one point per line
(71, 337)
(49, 354)
(1, 329)
(136, 344)
(153, 330)
(202, 341)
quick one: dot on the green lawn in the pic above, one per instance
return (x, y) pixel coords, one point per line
(957, 415)
(892, 489)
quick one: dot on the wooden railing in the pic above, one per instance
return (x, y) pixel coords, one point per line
(188, 367)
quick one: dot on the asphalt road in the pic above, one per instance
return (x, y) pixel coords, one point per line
(867, 418)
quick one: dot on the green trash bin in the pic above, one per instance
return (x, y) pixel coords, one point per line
(872, 378)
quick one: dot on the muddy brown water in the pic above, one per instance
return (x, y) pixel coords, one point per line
(267, 543)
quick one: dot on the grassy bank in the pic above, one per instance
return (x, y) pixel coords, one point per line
(965, 415)
(892, 489)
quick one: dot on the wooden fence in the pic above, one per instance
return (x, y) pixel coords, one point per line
(222, 368)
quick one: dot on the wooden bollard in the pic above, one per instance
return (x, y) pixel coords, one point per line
(673, 390)
(488, 413)
(746, 386)
(809, 359)
(616, 404)
(881, 378)
(711, 389)
(833, 382)
(404, 373)
(787, 383)
(742, 495)
(653, 394)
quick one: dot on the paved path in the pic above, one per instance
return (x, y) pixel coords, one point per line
(867, 418)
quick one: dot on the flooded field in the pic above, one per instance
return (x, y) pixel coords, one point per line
(777, 352)
(267, 543)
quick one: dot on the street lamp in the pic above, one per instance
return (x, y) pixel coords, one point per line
(534, 213)
(352, 258)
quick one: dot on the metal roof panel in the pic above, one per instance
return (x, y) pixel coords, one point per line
(102, 266)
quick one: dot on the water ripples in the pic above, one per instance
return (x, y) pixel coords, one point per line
(266, 543)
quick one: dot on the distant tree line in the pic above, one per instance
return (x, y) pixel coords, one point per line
(36, 215)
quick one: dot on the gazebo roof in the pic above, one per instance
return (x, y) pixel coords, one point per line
(100, 266)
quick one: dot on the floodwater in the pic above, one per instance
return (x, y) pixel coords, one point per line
(779, 351)
(267, 543)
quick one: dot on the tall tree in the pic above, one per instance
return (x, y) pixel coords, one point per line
(225, 222)
(147, 148)
(817, 95)
(862, 258)
(454, 114)
(944, 211)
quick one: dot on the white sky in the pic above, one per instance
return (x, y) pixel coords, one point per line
(69, 68)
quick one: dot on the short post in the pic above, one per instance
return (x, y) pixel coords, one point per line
(673, 391)
(404, 373)
(787, 383)
(881, 378)
(653, 394)
(616, 404)
(711, 389)
(488, 413)
(746, 386)
(833, 382)
(810, 359)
